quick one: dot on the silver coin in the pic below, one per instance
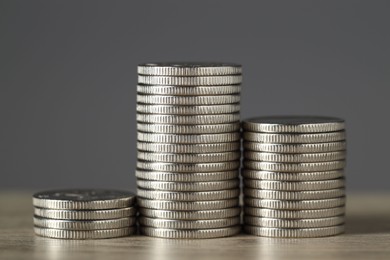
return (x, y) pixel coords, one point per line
(294, 214)
(84, 224)
(294, 138)
(191, 215)
(187, 205)
(84, 234)
(190, 81)
(190, 234)
(83, 199)
(188, 110)
(293, 204)
(295, 158)
(85, 214)
(188, 186)
(188, 139)
(188, 100)
(189, 69)
(294, 167)
(188, 167)
(296, 148)
(185, 177)
(188, 129)
(294, 223)
(188, 148)
(295, 233)
(294, 195)
(188, 196)
(288, 176)
(189, 158)
(188, 120)
(295, 186)
(294, 124)
(189, 91)
(188, 224)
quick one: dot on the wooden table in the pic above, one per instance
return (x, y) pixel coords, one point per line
(367, 237)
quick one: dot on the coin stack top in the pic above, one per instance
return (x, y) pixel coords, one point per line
(188, 149)
(293, 176)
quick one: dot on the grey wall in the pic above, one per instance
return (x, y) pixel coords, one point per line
(68, 78)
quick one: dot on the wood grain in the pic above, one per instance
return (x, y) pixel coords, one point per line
(367, 237)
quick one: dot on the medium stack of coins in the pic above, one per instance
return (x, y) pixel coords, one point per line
(293, 176)
(84, 214)
(188, 149)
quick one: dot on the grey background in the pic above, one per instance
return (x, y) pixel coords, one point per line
(68, 78)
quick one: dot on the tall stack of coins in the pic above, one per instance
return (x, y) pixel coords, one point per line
(188, 149)
(293, 176)
(84, 214)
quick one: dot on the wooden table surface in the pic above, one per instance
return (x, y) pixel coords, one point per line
(367, 237)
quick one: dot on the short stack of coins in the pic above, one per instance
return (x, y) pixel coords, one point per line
(188, 149)
(293, 176)
(84, 214)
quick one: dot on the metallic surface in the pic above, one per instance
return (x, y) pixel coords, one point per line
(85, 214)
(294, 124)
(188, 196)
(295, 233)
(188, 186)
(83, 199)
(83, 234)
(190, 234)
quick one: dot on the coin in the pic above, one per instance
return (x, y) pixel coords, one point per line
(294, 124)
(188, 129)
(294, 214)
(188, 100)
(294, 138)
(296, 148)
(188, 196)
(188, 167)
(83, 199)
(294, 233)
(295, 158)
(84, 214)
(188, 110)
(295, 205)
(189, 158)
(189, 91)
(294, 195)
(188, 148)
(190, 81)
(294, 186)
(188, 186)
(189, 224)
(294, 223)
(188, 120)
(185, 177)
(190, 234)
(288, 176)
(191, 215)
(84, 234)
(188, 139)
(187, 205)
(84, 224)
(294, 167)
(189, 69)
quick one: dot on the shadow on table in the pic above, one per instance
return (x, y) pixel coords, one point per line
(367, 224)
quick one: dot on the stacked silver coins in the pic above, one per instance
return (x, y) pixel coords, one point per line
(293, 176)
(84, 214)
(188, 149)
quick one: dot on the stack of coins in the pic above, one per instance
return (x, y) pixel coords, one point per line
(188, 149)
(293, 176)
(84, 214)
